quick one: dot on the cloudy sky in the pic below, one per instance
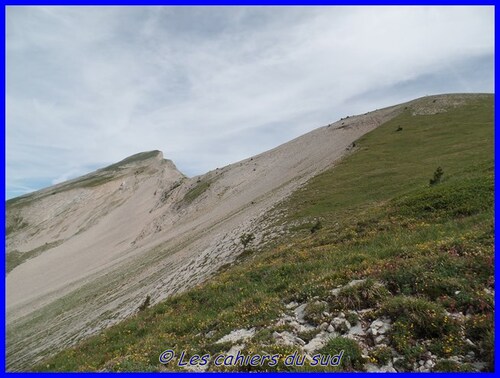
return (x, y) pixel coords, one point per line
(88, 86)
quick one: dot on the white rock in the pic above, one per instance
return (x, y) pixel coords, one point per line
(488, 291)
(377, 324)
(371, 368)
(298, 328)
(470, 343)
(287, 338)
(357, 330)
(291, 305)
(235, 349)
(323, 326)
(479, 365)
(318, 342)
(196, 368)
(350, 284)
(300, 312)
(237, 335)
(330, 329)
(380, 339)
(340, 324)
(380, 326)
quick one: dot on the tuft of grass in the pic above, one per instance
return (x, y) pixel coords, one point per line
(367, 294)
(196, 191)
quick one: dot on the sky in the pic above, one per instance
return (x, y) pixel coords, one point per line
(209, 86)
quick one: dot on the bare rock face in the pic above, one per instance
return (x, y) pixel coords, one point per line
(237, 335)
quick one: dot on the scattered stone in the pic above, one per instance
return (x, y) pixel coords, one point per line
(455, 315)
(371, 368)
(357, 330)
(291, 305)
(300, 313)
(285, 319)
(471, 355)
(488, 291)
(341, 325)
(470, 343)
(454, 359)
(330, 329)
(299, 328)
(323, 326)
(318, 342)
(234, 350)
(337, 290)
(422, 369)
(237, 335)
(380, 339)
(479, 365)
(288, 339)
(380, 326)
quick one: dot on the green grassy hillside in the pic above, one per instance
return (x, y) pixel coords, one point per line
(425, 251)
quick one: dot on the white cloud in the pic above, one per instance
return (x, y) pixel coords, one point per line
(87, 86)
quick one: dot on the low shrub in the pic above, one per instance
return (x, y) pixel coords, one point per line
(426, 319)
(352, 357)
(436, 179)
(381, 355)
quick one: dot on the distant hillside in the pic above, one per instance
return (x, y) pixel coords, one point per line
(373, 217)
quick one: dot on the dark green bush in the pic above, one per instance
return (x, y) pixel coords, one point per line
(316, 227)
(436, 179)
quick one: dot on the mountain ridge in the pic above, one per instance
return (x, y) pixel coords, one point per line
(167, 231)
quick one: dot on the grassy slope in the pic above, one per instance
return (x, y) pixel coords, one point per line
(380, 220)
